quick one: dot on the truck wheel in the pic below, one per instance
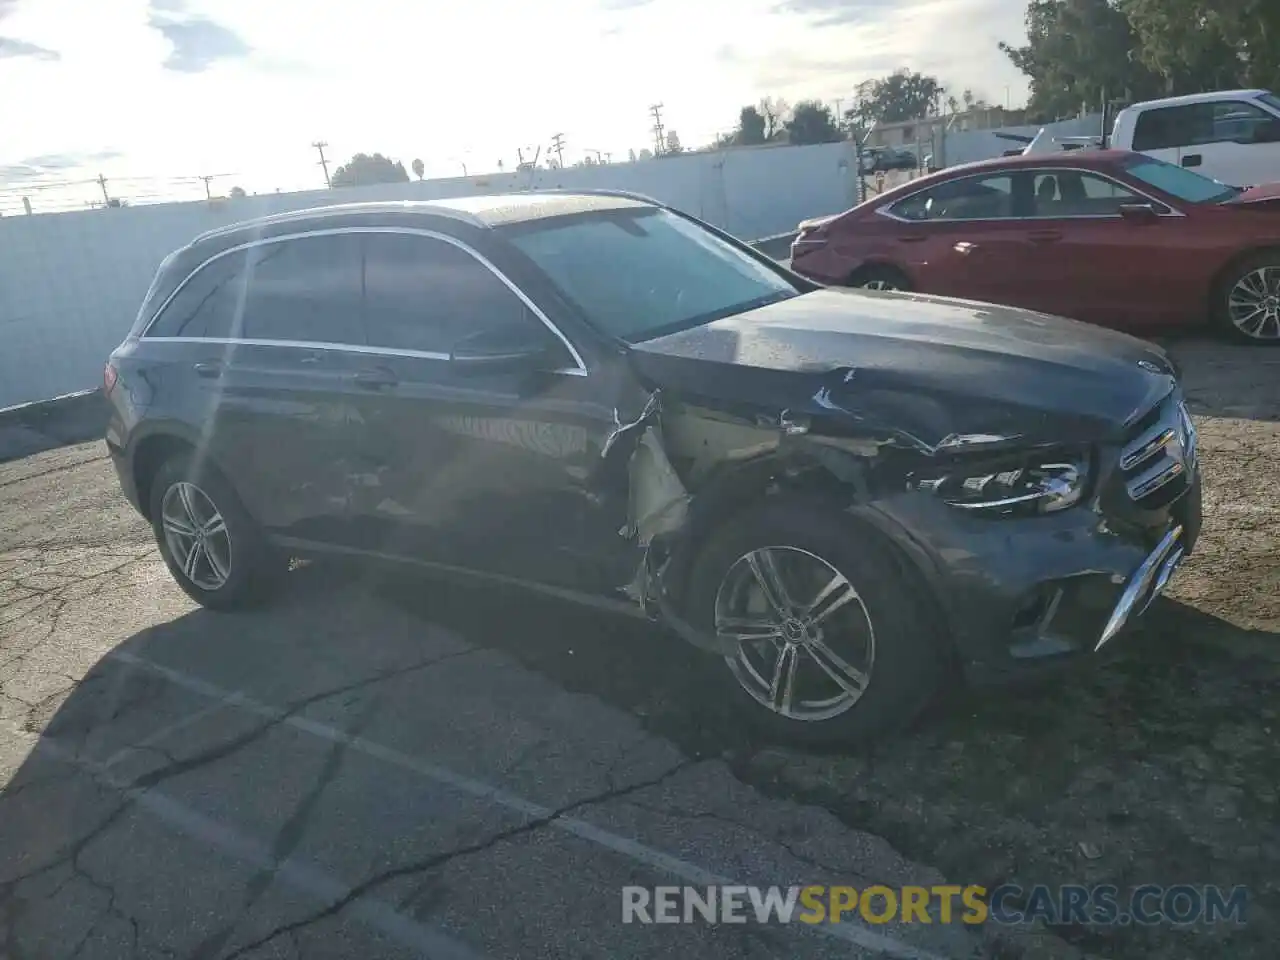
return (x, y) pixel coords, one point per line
(212, 547)
(1247, 302)
(831, 641)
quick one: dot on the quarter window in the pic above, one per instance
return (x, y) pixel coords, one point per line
(425, 294)
(207, 304)
(973, 198)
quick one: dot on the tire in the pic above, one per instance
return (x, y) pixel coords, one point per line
(908, 654)
(237, 567)
(879, 278)
(1254, 281)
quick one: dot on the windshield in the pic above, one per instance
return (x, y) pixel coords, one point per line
(640, 273)
(1179, 182)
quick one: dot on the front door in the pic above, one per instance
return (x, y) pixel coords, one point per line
(480, 467)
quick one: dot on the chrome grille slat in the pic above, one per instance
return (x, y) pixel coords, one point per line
(1163, 452)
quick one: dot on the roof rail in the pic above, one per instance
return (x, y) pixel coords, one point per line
(622, 194)
(367, 206)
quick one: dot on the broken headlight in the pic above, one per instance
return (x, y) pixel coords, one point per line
(1041, 484)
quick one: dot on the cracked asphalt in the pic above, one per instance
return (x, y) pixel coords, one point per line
(374, 766)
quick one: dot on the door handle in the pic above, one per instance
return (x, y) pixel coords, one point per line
(1192, 160)
(1044, 236)
(965, 247)
(310, 359)
(379, 378)
(209, 369)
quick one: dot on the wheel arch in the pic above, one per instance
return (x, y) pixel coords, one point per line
(885, 265)
(151, 450)
(1234, 262)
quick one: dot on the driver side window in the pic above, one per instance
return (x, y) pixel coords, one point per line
(424, 294)
(973, 198)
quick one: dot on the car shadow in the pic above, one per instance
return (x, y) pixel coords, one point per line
(1131, 750)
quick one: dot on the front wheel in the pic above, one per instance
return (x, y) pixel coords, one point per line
(1248, 301)
(830, 642)
(211, 545)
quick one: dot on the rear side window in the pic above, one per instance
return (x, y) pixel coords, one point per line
(302, 290)
(307, 289)
(1074, 193)
(425, 294)
(1198, 124)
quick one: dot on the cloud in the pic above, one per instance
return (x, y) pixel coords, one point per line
(831, 13)
(50, 165)
(11, 48)
(198, 42)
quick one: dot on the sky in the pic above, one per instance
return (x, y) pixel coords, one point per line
(154, 94)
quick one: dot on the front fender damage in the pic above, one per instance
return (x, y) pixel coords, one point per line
(682, 458)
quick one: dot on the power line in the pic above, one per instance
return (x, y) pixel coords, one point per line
(659, 137)
(320, 145)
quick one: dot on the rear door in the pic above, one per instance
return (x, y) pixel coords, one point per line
(264, 335)
(483, 470)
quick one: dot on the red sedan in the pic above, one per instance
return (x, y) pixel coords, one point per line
(1111, 237)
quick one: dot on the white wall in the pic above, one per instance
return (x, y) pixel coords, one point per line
(71, 283)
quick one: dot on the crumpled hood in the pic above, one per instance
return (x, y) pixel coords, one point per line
(922, 367)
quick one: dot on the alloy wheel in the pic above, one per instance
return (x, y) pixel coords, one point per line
(805, 644)
(1254, 304)
(197, 535)
(879, 285)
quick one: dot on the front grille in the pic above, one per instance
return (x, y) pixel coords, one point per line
(1156, 463)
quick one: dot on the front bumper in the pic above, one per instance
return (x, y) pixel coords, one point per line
(1022, 597)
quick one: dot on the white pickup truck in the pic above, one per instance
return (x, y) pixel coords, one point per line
(1227, 135)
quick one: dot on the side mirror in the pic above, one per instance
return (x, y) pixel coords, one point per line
(490, 351)
(1139, 212)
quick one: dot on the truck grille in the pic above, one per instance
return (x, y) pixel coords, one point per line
(1158, 461)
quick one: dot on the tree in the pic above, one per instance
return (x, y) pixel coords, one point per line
(646, 154)
(1077, 53)
(1195, 45)
(419, 168)
(775, 112)
(673, 142)
(902, 95)
(236, 193)
(631, 155)
(364, 169)
(751, 125)
(811, 122)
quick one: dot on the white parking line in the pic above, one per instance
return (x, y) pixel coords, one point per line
(302, 875)
(164, 733)
(632, 849)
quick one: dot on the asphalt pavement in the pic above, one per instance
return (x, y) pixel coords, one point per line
(368, 767)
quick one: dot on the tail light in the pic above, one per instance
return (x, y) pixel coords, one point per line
(809, 238)
(109, 377)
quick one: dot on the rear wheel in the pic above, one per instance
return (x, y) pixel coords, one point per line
(830, 642)
(879, 278)
(211, 545)
(1248, 300)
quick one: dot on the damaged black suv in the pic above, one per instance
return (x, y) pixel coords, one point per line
(842, 493)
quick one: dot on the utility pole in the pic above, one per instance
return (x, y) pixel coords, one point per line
(320, 145)
(557, 144)
(102, 182)
(659, 137)
(208, 195)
